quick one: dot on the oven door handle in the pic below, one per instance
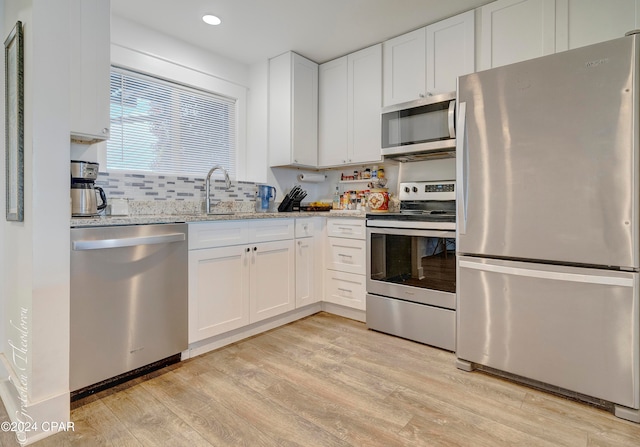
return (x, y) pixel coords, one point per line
(411, 232)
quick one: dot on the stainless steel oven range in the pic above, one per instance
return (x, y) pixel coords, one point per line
(411, 266)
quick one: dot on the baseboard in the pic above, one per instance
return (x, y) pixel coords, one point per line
(227, 338)
(50, 415)
(347, 312)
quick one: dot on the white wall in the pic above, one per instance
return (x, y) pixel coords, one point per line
(35, 252)
(3, 292)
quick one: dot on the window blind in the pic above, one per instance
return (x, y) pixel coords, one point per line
(166, 128)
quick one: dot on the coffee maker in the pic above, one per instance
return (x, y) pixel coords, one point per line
(84, 202)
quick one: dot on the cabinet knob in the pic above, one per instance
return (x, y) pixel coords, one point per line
(248, 250)
(255, 248)
(421, 95)
(105, 131)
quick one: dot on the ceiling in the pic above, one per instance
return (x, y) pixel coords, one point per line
(255, 30)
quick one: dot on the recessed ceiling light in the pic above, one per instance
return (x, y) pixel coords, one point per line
(211, 19)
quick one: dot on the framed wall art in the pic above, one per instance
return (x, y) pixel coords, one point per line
(14, 122)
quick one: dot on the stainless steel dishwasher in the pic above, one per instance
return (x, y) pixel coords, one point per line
(128, 300)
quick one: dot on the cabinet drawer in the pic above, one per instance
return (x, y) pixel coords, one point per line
(268, 230)
(345, 289)
(346, 255)
(217, 234)
(305, 227)
(349, 228)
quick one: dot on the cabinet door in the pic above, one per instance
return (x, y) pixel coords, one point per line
(365, 102)
(450, 52)
(305, 111)
(404, 60)
(272, 279)
(293, 111)
(218, 291)
(279, 107)
(332, 119)
(305, 271)
(516, 30)
(576, 20)
(90, 69)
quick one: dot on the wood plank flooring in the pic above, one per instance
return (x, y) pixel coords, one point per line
(328, 381)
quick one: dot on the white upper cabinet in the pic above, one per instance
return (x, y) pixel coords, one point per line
(89, 70)
(450, 52)
(516, 30)
(350, 103)
(404, 67)
(332, 113)
(293, 111)
(429, 60)
(585, 22)
(365, 102)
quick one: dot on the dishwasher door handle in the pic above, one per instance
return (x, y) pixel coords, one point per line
(128, 242)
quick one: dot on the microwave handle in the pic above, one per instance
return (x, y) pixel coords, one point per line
(451, 119)
(461, 169)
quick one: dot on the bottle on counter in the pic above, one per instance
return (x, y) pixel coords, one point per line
(336, 200)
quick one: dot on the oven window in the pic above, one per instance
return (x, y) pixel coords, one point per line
(425, 262)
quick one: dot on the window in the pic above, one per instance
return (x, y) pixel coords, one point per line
(166, 128)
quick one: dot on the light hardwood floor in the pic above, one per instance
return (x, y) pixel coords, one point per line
(328, 381)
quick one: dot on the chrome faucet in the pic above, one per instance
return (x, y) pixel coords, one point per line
(207, 184)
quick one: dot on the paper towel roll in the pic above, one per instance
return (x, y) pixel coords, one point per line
(311, 178)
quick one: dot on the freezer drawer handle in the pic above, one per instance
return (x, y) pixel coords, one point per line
(128, 242)
(573, 277)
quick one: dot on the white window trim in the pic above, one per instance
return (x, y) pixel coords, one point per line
(156, 66)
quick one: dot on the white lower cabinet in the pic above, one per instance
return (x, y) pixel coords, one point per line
(346, 289)
(243, 282)
(272, 279)
(218, 291)
(308, 261)
(345, 267)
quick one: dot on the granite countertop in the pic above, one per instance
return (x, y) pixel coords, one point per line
(174, 218)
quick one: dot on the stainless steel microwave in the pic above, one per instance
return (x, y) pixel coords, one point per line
(422, 127)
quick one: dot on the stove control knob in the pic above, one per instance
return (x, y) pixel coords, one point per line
(406, 189)
(414, 189)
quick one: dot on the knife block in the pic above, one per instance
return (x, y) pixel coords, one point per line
(288, 205)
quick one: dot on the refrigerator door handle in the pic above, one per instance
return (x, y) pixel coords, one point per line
(451, 119)
(543, 274)
(461, 168)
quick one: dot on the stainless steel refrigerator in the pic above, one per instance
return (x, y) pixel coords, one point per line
(548, 226)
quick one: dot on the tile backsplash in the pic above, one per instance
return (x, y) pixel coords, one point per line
(163, 194)
(163, 187)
